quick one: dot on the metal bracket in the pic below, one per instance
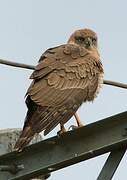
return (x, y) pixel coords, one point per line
(111, 164)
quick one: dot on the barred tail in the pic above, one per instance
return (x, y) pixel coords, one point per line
(24, 139)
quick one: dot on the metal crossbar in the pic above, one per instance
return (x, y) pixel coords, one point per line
(72, 147)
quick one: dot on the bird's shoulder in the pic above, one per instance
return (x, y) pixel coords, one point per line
(72, 50)
(61, 57)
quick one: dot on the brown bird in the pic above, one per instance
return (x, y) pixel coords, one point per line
(65, 77)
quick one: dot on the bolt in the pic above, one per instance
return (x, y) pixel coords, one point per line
(76, 155)
(51, 169)
(124, 134)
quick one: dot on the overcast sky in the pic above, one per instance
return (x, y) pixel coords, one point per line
(28, 28)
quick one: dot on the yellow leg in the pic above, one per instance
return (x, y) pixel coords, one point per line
(79, 123)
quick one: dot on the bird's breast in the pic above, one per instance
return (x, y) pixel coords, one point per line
(94, 89)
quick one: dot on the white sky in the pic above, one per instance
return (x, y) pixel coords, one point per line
(28, 28)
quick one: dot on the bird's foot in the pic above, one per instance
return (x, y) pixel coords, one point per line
(62, 131)
(73, 127)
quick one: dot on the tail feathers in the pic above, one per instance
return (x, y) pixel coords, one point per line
(60, 119)
(24, 139)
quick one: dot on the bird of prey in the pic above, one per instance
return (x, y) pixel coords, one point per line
(65, 77)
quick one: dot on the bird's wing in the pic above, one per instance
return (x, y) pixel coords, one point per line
(61, 73)
(65, 77)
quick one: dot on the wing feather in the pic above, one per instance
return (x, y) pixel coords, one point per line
(65, 77)
(61, 73)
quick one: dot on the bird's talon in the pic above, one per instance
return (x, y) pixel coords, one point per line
(59, 133)
(72, 127)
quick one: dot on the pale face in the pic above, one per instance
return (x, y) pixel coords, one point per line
(85, 37)
(87, 42)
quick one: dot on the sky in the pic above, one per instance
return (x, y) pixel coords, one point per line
(28, 28)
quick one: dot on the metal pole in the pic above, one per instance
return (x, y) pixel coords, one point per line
(111, 164)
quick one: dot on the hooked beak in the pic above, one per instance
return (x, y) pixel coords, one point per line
(89, 43)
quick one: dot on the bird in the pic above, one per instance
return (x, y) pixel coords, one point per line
(65, 77)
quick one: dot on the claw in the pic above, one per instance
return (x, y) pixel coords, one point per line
(62, 131)
(59, 133)
(72, 127)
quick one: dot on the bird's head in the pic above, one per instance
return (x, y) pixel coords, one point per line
(85, 38)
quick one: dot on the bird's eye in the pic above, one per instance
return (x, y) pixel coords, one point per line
(94, 40)
(80, 39)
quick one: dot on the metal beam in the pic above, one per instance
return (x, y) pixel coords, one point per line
(8, 138)
(111, 164)
(70, 148)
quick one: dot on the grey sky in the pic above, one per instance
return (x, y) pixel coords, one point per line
(28, 28)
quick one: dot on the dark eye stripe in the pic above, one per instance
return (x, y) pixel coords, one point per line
(80, 39)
